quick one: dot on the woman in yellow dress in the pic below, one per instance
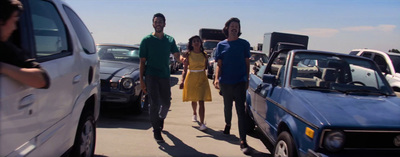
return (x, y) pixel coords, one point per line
(194, 80)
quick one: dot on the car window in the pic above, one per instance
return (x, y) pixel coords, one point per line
(338, 73)
(115, 53)
(378, 59)
(396, 62)
(51, 39)
(84, 35)
(367, 54)
(354, 52)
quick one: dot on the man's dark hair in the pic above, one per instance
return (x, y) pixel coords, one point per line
(159, 15)
(7, 7)
(226, 28)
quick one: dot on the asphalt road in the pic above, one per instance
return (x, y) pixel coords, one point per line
(121, 134)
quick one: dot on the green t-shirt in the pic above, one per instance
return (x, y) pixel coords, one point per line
(157, 52)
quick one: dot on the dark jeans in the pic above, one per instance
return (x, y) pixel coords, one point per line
(237, 93)
(159, 96)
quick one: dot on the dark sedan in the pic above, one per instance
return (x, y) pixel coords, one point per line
(119, 74)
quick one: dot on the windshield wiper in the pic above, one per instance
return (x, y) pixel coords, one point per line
(364, 91)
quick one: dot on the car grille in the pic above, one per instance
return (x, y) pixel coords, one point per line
(371, 140)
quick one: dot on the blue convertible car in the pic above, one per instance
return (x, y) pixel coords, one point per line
(315, 103)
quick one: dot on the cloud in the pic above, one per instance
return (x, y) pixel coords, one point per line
(383, 28)
(358, 28)
(386, 28)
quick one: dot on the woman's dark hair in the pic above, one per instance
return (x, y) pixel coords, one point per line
(225, 30)
(159, 15)
(190, 46)
(7, 7)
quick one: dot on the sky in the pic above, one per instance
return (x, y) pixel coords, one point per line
(332, 25)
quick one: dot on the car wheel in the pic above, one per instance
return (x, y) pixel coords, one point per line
(85, 138)
(284, 146)
(135, 106)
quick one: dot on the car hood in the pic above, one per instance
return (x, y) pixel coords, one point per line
(109, 69)
(349, 110)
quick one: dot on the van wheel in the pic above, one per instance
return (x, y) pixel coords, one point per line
(284, 146)
(85, 138)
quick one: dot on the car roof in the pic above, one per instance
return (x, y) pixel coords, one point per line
(116, 44)
(371, 50)
(393, 54)
(258, 52)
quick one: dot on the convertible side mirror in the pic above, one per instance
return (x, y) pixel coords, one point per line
(270, 79)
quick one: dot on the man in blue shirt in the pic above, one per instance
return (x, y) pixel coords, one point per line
(232, 76)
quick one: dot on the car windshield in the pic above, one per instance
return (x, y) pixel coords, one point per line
(396, 62)
(119, 53)
(209, 45)
(329, 72)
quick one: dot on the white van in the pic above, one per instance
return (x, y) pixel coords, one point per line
(389, 64)
(60, 120)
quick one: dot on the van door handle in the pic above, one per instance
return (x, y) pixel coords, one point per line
(26, 101)
(76, 79)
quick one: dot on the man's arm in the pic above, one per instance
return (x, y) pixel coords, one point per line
(34, 77)
(178, 57)
(142, 67)
(217, 73)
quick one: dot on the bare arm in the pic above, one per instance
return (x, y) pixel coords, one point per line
(247, 60)
(178, 57)
(217, 74)
(185, 67)
(141, 74)
(33, 77)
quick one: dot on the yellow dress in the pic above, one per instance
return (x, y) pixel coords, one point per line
(196, 86)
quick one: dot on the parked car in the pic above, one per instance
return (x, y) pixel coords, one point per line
(60, 120)
(119, 75)
(211, 65)
(182, 49)
(257, 59)
(341, 106)
(174, 64)
(389, 64)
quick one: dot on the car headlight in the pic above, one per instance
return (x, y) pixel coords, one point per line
(127, 83)
(334, 141)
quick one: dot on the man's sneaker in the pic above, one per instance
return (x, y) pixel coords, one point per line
(227, 129)
(158, 137)
(202, 127)
(244, 147)
(194, 118)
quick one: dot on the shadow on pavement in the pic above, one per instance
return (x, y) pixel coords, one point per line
(233, 139)
(119, 118)
(179, 148)
(218, 135)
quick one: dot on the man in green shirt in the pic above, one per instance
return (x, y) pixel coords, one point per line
(154, 53)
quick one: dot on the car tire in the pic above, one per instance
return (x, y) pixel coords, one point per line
(284, 146)
(85, 138)
(135, 106)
